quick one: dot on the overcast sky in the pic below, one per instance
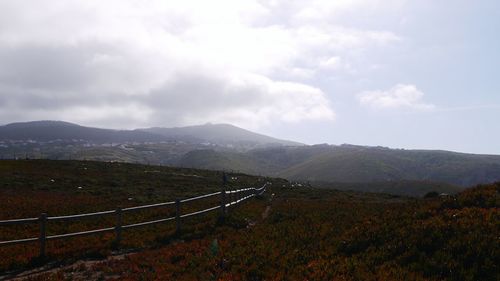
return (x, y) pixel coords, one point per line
(404, 74)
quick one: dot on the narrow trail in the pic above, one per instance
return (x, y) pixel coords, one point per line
(266, 213)
(268, 209)
(53, 268)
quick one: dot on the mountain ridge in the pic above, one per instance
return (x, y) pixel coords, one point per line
(226, 147)
(357, 164)
(221, 133)
(46, 130)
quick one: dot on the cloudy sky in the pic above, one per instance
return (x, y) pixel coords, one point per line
(404, 74)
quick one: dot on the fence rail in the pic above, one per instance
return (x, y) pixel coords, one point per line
(18, 221)
(235, 197)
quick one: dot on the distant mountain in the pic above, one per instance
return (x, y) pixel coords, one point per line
(54, 130)
(226, 147)
(222, 134)
(355, 164)
(225, 135)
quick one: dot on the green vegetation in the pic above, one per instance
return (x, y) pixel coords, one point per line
(375, 164)
(225, 147)
(348, 167)
(115, 183)
(399, 188)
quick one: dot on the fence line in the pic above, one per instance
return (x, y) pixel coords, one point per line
(235, 197)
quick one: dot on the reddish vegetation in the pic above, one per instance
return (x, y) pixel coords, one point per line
(312, 234)
(28, 188)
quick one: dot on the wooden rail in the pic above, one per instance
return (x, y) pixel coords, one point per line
(235, 197)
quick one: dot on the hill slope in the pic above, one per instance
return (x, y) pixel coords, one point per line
(213, 134)
(303, 234)
(373, 164)
(28, 188)
(225, 147)
(53, 130)
(356, 164)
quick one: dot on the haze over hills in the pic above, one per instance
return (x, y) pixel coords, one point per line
(217, 134)
(226, 147)
(63, 140)
(59, 130)
(355, 164)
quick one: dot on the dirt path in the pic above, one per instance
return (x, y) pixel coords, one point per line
(268, 209)
(266, 212)
(76, 267)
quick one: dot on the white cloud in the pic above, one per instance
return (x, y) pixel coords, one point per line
(92, 55)
(332, 63)
(249, 100)
(399, 96)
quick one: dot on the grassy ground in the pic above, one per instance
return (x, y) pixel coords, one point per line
(28, 188)
(297, 234)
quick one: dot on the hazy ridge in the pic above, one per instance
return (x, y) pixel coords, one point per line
(226, 147)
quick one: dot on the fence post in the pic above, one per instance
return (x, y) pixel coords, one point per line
(228, 199)
(223, 203)
(43, 234)
(118, 227)
(177, 217)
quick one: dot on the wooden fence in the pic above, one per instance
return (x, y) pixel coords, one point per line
(227, 199)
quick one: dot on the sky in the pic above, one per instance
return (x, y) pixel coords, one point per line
(418, 74)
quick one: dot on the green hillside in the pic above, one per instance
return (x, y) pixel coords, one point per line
(372, 164)
(355, 164)
(226, 147)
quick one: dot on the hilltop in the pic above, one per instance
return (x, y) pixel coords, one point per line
(226, 147)
(45, 131)
(209, 134)
(222, 134)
